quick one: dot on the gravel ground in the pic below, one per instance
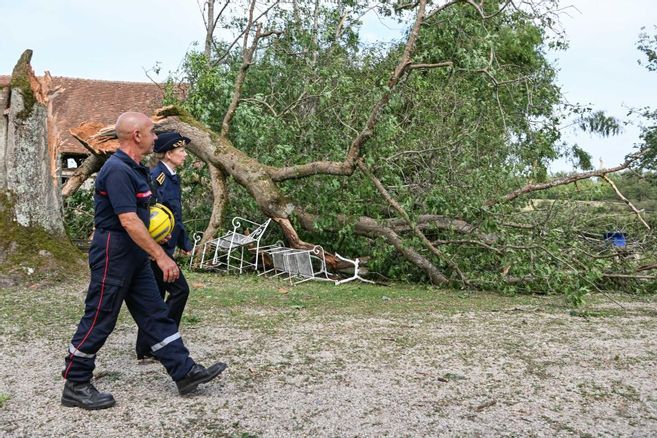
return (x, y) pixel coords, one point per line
(517, 371)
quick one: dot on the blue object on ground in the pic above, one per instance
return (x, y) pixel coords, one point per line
(616, 238)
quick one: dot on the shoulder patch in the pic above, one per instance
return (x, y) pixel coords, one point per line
(160, 178)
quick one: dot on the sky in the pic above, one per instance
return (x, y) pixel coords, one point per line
(600, 68)
(122, 39)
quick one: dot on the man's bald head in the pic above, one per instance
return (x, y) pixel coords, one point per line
(129, 122)
(136, 134)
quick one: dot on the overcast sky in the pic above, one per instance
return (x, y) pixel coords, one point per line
(118, 40)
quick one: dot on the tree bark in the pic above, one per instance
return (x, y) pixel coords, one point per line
(368, 227)
(27, 174)
(220, 198)
(209, 29)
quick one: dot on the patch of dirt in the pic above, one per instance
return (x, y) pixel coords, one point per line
(519, 372)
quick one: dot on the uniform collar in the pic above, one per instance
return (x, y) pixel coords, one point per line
(126, 159)
(166, 166)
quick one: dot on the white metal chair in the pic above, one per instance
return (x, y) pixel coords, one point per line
(356, 275)
(276, 260)
(227, 251)
(198, 236)
(298, 264)
(304, 265)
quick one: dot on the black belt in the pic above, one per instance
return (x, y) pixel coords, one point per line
(107, 230)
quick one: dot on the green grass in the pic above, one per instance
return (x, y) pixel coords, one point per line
(4, 398)
(272, 304)
(232, 292)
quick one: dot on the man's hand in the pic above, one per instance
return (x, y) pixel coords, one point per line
(170, 271)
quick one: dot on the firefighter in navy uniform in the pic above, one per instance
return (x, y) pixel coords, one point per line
(170, 150)
(121, 271)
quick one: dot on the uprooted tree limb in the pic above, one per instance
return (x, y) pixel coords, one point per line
(260, 180)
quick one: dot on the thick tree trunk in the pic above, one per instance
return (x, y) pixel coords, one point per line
(247, 171)
(33, 244)
(4, 121)
(27, 175)
(220, 198)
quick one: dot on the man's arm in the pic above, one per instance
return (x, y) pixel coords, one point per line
(139, 234)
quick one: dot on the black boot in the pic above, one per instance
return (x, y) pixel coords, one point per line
(147, 357)
(197, 375)
(84, 395)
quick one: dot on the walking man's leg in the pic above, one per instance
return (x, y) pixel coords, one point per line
(102, 307)
(178, 292)
(162, 335)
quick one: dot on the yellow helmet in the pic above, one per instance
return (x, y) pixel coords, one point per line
(162, 222)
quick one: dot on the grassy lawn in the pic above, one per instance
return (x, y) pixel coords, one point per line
(253, 301)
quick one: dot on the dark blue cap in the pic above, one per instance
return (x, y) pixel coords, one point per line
(169, 140)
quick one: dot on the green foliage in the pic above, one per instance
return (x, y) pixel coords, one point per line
(583, 158)
(448, 140)
(639, 188)
(79, 214)
(599, 122)
(648, 45)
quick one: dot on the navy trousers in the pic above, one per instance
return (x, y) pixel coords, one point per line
(178, 294)
(121, 271)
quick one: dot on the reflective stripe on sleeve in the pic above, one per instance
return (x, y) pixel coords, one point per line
(75, 352)
(165, 342)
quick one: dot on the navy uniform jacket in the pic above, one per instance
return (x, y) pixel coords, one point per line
(121, 187)
(168, 191)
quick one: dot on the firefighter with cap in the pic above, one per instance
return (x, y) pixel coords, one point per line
(121, 272)
(170, 152)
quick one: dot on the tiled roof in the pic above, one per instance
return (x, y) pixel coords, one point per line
(97, 101)
(85, 100)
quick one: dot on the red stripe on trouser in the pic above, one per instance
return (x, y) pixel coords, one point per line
(100, 303)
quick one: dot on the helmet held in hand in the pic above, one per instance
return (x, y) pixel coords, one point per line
(161, 222)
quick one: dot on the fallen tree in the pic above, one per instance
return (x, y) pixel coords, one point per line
(443, 149)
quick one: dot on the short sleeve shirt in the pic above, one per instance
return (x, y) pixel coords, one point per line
(122, 186)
